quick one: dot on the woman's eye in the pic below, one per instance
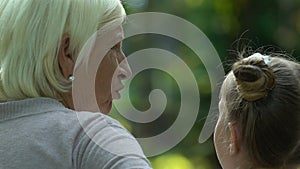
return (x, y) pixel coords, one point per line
(116, 47)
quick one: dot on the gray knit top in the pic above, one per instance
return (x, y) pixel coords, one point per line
(40, 133)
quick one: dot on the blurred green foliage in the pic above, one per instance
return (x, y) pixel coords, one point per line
(226, 23)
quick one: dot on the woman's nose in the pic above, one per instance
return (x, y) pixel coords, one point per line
(124, 69)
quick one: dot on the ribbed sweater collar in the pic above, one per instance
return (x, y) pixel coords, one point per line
(18, 108)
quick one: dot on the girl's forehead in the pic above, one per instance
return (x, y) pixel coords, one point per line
(229, 79)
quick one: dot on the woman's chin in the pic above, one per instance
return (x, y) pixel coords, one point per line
(109, 107)
(106, 108)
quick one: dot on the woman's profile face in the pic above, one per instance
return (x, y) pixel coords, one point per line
(112, 70)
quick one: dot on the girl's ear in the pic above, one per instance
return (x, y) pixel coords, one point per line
(234, 146)
(65, 59)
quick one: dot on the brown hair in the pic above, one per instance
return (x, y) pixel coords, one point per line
(264, 100)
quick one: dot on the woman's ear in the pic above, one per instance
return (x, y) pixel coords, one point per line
(65, 59)
(234, 146)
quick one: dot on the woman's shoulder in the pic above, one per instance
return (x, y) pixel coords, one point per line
(102, 141)
(56, 117)
(80, 139)
(96, 140)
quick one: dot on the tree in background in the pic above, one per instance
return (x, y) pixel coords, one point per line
(271, 23)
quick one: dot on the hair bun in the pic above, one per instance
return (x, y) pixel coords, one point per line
(254, 78)
(247, 73)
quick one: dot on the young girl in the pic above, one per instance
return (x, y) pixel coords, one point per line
(259, 121)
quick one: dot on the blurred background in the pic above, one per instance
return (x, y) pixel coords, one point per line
(274, 24)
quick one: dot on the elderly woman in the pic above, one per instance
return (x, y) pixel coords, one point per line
(40, 44)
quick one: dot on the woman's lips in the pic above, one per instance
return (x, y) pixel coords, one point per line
(116, 93)
(120, 88)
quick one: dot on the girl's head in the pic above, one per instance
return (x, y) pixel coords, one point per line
(259, 122)
(34, 32)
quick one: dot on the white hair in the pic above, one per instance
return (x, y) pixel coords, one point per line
(30, 36)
